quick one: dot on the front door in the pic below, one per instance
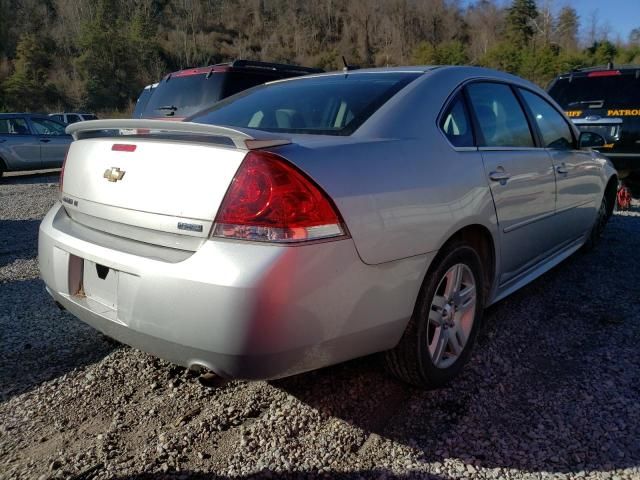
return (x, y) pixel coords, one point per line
(520, 176)
(54, 143)
(577, 172)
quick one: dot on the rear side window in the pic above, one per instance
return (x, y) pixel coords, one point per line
(89, 116)
(500, 118)
(57, 117)
(456, 125)
(615, 91)
(181, 96)
(325, 105)
(13, 126)
(553, 127)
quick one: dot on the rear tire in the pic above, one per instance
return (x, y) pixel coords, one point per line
(440, 335)
(598, 227)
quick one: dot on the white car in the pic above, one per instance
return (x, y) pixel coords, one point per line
(312, 220)
(70, 118)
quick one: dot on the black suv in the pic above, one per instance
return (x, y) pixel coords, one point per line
(181, 94)
(606, 100)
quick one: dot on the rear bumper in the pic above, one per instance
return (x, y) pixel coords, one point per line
(240, 309)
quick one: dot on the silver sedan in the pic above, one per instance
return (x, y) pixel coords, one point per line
(313, 220)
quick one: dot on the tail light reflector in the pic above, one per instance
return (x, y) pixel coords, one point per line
(271, 200)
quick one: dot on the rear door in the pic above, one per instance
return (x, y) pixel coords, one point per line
(54, 143)
(578, 181)
(520, 176)
(19, 149)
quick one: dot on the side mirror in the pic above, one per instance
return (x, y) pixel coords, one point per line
(591, 140)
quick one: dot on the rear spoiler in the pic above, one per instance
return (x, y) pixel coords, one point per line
(152, 128)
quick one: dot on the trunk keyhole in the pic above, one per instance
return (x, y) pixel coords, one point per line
(102, 271)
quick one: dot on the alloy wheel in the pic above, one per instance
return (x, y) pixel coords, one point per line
(451, 315)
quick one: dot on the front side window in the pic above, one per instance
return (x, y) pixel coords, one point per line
(324, 105)
(456, 125)
(72, 118)
(47, 127)
(501, 120)
(14, 126)
(553, 127)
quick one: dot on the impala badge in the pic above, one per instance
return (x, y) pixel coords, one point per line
(113, 174)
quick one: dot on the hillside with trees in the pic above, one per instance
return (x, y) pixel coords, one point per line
(98, 54)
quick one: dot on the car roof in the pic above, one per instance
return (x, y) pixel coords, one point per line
(460, 71)
(245, 66)
(24, 114)
(584, 72)
(71, 113)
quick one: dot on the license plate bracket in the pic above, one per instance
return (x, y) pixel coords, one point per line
(100, 283)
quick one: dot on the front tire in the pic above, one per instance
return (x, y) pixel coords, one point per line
(598, 227)
(440, 335)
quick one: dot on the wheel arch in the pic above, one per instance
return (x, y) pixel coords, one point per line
(480, 238)
(610, 193)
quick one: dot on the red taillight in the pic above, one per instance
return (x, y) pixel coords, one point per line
(604, 73)
(62, 170)
(271, 200)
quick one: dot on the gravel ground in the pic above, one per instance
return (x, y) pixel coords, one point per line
(552, 389)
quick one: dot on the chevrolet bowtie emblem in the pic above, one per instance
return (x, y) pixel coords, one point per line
(113, 174)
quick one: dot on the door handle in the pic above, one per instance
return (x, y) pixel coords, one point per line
(500, 176)
(2, 140)
(562, 168)
(45, 140)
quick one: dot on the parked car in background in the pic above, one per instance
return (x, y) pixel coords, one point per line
(606, 100)
(142, 101)
(314, 220)
(69, 118)
(31, 142)
(183, 93)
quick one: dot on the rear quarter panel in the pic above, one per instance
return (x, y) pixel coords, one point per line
(400, 186)
(401, 198)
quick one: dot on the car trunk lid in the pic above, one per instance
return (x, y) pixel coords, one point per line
(154, 181)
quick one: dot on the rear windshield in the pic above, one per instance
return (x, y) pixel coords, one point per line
(326, 105)
(614, 91)
(141, 104)
(184, 96)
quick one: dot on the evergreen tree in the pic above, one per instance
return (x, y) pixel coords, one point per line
(567, 28)
(108, 63)
(27, 88)
(520, 17)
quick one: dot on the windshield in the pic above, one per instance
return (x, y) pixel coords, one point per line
(183, 96)
(603, 92)
(325, 105)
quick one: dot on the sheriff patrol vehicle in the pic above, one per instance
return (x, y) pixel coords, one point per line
(606, 100)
